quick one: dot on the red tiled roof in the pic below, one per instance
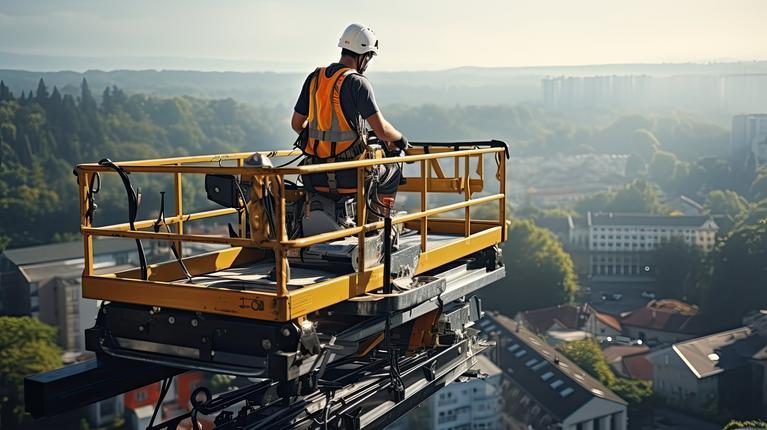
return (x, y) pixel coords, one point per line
(666, 315)
(616, 352)
(638, 367)
(608, 320)
(541, 320)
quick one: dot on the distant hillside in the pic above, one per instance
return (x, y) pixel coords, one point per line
(464, 86)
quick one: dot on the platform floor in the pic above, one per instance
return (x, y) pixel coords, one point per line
(255, 277)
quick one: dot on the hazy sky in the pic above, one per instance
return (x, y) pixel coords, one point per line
(414, 34)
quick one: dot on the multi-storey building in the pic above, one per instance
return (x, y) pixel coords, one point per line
(619, 244)
(749, 136)
(545, 390)
(475, 404)
(25, 272)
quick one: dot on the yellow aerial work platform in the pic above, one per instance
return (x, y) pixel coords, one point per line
(442, 239)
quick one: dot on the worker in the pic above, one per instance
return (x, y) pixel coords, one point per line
(330, 115)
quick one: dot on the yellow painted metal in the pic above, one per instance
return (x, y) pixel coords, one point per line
(199, 264)
(467, 197)
(425, 173)
(178, 189)
(263, 305)
(242, 303)
(441, 185)
(147, 223)
(167, 288)
(84, 182)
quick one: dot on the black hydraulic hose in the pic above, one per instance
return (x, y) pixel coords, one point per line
(161, 221)
(133, 202)
(486, 143)
(164, 387)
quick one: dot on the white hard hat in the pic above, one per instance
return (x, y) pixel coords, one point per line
(359, 38)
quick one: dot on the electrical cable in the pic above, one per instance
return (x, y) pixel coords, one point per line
(161, 221)
(134, 199)
(164, 388)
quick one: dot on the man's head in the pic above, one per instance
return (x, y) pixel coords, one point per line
(360, 44)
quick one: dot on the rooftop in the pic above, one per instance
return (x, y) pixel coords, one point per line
(556, 317)
(666, 315)
(638, 367)
(615, 353)
(65, 251)
(554, 381)
(713, 354)
(629, 219)
(557, 224)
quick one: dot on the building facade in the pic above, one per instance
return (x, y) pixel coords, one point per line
(475, 404)
(721, 372)
(621, 245)
(749, 137)
(545, 390)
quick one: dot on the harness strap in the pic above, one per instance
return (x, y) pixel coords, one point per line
(332, 135)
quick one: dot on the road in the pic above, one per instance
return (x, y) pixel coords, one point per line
(631, 291)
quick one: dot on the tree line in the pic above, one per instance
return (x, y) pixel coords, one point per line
(44, 134)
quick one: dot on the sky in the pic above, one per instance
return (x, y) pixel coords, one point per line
(414, 35)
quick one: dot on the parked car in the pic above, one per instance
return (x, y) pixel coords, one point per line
(649, 295)
(623, 340)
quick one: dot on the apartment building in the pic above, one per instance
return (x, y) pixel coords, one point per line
(545, 390)
(621, 244)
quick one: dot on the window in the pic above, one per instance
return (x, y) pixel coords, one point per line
(513, 347)
(531, 362)
(141, 395)
(557, 383)
(520, 353)
(540, 365)
(546, 376)
(566, 392)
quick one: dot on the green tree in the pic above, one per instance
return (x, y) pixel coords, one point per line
(633, 391)
(637, 197)
(587, 355)
(42, 91)
(678, 270)
(747, 424)
(738, 276)
(27, 346)
(544, 274)
(662, 167)
(644, 144)
(727, 206)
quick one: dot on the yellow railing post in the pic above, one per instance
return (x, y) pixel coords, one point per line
(425, 174)
(467, 196)
(242, 219)
(84, 181)
(280, 254)
(178, 188)
(502, 190)
(361, 219)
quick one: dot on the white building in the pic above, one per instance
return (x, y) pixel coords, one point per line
(475, 404)
(619, 244)
(749, 136)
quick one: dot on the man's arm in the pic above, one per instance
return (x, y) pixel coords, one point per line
(383, 129)
(298, 122)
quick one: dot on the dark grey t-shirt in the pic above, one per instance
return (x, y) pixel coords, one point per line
(357, 98)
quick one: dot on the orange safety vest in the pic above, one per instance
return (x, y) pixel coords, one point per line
(328, 132)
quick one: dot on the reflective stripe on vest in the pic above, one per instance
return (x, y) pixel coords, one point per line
(329, 133)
